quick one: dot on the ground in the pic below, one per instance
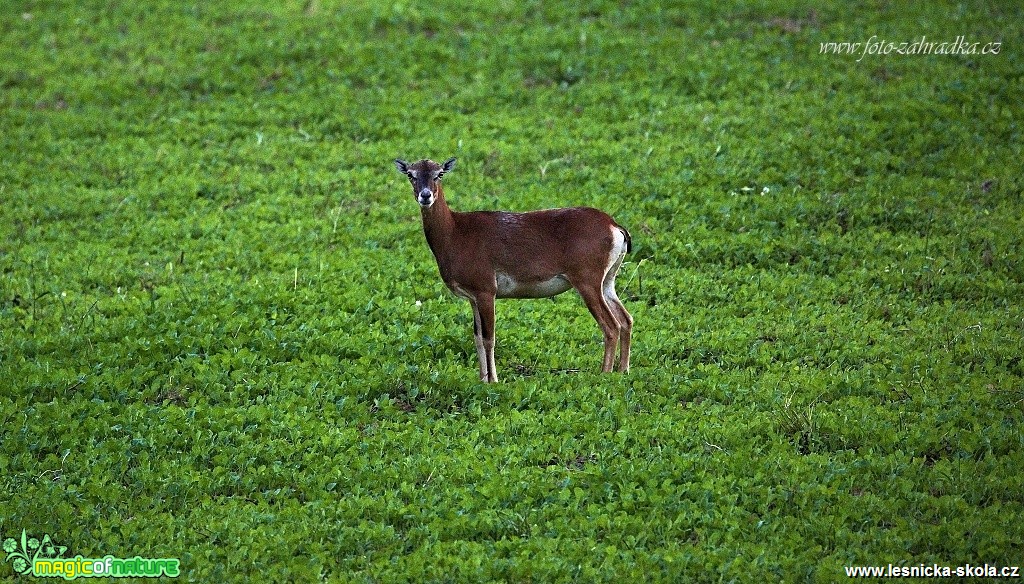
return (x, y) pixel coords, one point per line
(225, 339)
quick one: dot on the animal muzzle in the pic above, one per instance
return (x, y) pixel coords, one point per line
(425, 197)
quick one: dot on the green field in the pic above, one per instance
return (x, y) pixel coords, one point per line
(223, 338)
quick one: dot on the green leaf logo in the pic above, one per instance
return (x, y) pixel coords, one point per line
(21, 558)
(31, 548)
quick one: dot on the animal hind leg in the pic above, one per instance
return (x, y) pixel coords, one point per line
(625, 328)
(605, 318)
(623, 317)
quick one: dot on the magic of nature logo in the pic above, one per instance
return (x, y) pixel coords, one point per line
(45, 559)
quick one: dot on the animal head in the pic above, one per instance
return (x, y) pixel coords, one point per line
(425, 177)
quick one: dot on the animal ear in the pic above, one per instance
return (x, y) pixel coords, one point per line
(402, 166)
(448, 165)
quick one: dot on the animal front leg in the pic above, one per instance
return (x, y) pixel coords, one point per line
(478, 338)
(485, 303)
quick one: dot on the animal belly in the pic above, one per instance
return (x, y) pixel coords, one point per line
(509, 287)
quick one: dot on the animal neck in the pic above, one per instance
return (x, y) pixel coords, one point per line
(438, 223)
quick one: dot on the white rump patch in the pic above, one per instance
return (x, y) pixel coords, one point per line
(614, 261)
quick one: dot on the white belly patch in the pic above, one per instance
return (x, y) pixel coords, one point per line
(458, 291)
(510, 288)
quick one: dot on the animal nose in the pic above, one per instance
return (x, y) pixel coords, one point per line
(425, 195)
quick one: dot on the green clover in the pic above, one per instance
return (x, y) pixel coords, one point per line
(10, 545)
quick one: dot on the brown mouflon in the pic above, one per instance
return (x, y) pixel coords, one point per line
(483, 255)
